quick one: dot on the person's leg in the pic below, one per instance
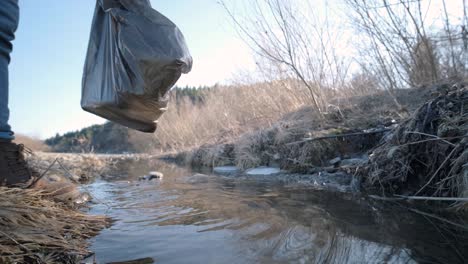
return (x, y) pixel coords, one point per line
(9, 17)
(14, 171)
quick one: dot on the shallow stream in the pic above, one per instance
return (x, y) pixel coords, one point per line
(201, 218)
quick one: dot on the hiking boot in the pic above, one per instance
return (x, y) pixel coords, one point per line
(14, 171)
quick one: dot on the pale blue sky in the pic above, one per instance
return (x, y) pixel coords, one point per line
(50, 47)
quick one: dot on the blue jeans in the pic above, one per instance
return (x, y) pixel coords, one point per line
(9, 17)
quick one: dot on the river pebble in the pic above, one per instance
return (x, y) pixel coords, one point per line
(263, 171)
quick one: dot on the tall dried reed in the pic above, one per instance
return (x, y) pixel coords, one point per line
(227, 112)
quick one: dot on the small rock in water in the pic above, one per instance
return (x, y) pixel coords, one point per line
(152, 175)
(226, 170)
(156, 174)
(263, 171)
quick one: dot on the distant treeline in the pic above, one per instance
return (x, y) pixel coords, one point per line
(194, 94)
(106, 138)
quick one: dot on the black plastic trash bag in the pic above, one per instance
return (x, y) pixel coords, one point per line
(135, 55)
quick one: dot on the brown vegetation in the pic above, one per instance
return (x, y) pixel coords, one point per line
(227, 112)
(230, 111)
(427, 154)
(34, 229)
(283, 142)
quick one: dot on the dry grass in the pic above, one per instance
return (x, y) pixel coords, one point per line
(34, 229)
(228, 112)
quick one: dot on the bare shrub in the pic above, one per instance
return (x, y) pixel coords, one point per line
(294, 40)
(411, 43)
